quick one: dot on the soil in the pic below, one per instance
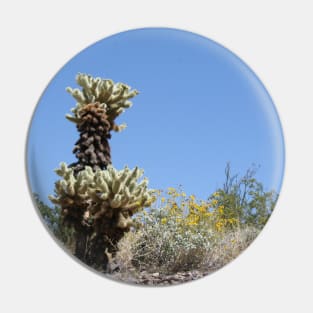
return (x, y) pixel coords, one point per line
(159, 279)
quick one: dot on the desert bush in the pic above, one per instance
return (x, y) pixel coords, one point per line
(180, 233)
(176, 234)
(148, 250)
(230, 244)
(156, 249)
(243, 197)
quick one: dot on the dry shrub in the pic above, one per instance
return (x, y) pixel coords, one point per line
(154, 249)
(165, 251)
(182, 234)
(230, 244)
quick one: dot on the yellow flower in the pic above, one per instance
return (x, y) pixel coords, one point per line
(171, 190)
(162, 199)
(178, 220)
(202, 209)
(214, 202)
(192, 219)
(219, 225)
(163, 220)
(192, 223)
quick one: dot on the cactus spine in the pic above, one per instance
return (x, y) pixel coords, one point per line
(99, 103)
(94, 197)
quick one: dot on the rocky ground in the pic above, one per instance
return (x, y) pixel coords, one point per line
(159, 279)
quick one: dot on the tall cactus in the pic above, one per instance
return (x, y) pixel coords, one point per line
(94, 197)
(99, 103)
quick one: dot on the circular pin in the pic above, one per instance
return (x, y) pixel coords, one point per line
(155, 156)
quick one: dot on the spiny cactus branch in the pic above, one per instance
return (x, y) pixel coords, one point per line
(113, 97)
(102, 194)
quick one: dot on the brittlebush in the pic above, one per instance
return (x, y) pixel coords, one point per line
(178, 232)
(190, 214)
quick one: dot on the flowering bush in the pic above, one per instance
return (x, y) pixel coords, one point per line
(178, 233)
(188, 213)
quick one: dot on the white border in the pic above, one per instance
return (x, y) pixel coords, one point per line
(273, 38)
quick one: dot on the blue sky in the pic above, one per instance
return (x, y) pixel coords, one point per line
(199, 107)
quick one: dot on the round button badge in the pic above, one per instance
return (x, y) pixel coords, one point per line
(155, 156)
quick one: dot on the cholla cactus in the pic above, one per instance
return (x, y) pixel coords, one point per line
(113, 97)
(100, 102)
(96, 200)
(93, 196)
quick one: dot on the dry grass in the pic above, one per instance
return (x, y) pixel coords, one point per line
(229, 245)
(138, 253)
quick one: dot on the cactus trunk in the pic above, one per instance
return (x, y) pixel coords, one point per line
(92, 148)
(94, 243)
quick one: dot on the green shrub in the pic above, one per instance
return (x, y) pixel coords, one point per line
(244, 198)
